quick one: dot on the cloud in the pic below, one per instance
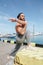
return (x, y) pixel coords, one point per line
(3, 17)
(3, 13)
(6, 28)
(2, 24)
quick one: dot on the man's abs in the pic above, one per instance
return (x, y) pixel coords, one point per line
(20, 29)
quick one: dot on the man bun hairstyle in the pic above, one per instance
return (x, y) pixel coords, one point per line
(19, 14)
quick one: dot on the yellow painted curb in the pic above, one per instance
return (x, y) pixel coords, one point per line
(5, 40)
(33, 44)
(12, 41)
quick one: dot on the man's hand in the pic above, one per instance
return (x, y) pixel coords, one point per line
(12, 19)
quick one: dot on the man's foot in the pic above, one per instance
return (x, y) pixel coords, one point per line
(10, 57)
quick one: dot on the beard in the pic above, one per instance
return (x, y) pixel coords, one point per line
(22, 19)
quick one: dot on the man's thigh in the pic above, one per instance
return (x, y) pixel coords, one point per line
(28, 37)
(20, 40)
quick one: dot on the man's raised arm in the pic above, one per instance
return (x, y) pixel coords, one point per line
(17, 20)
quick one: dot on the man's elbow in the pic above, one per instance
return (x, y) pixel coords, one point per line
(25, 23)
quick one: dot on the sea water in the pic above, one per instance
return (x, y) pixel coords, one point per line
(36, 39)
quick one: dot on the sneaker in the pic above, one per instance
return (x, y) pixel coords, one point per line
(10, 57)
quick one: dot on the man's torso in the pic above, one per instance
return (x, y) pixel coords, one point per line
(21, 29)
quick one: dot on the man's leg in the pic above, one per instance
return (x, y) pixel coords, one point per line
(28, 37)
(18, 45)
(19, 41)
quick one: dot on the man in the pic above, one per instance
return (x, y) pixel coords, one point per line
(21, 32)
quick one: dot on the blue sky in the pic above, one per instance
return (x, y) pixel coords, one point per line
(33, 10)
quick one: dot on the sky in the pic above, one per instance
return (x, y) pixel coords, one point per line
(33, 10)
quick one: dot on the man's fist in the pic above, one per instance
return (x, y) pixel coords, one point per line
(12, 19)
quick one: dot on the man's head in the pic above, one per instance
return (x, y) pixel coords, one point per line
(21, 16)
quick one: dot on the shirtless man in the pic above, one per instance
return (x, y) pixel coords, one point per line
(21, 32)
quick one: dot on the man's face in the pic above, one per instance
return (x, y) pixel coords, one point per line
(22, 17)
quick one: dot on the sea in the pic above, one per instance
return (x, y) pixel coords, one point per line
(38, 39)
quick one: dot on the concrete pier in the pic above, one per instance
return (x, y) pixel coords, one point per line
(5, 50)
